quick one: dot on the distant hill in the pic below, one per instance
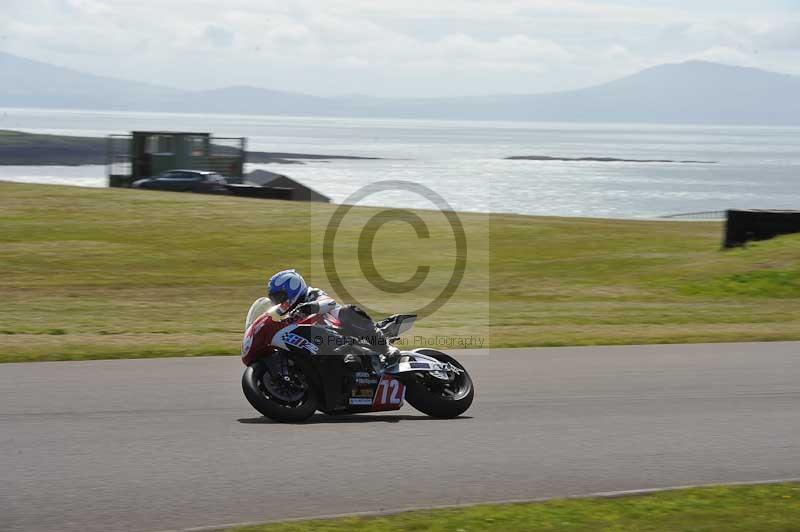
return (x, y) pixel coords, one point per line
(27, 83)
(693, 92)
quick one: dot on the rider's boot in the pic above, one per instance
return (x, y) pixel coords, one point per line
(352, 361)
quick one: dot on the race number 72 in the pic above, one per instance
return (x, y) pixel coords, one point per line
(389, 394)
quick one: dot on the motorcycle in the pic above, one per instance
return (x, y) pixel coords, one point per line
(298, 368)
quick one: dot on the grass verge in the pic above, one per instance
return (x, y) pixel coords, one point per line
(93, 273)
(768, 507)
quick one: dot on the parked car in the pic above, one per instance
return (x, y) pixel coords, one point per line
(185, 181)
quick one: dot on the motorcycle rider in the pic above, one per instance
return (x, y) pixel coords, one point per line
(291, 294)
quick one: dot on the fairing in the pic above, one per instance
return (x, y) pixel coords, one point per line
(417, 362)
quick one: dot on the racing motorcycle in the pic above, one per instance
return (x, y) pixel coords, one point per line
(300, 369)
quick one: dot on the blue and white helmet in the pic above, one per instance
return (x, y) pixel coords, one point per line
(286, 288)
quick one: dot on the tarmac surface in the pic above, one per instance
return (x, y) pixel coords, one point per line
(160, 444)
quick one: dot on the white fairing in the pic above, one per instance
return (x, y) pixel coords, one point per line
(418, 362)
(278, 339)
(286, 338)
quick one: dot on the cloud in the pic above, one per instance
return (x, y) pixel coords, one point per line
(782, 36)
(218, 36)
(392, 46)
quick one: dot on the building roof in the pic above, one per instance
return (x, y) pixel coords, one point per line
(195, 133)
(301, 192)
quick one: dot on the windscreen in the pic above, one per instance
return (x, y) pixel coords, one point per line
(259, 307)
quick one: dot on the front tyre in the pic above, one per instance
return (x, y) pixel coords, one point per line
(438, 398)
(279, 394)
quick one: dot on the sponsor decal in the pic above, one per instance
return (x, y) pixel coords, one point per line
(247, 343)
(420, 365)
(365, 380)
(290, 338)
(363, 392)
(365, 401)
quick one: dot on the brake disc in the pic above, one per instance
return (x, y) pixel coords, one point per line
(283, 389)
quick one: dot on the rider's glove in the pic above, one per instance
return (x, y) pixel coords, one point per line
(308, 308)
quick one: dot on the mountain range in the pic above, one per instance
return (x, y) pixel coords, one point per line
(694, 92)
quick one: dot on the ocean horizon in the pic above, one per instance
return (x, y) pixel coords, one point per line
(465, 161)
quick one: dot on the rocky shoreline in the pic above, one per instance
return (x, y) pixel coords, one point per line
(18, 148)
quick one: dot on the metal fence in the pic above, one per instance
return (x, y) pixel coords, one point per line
(226, 156)
(702, 215)
(119, 160)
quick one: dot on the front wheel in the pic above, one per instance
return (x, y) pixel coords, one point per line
(279, 390)
(439, 398)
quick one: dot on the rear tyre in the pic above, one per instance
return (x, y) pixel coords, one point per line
(291, 401)
(438, 398)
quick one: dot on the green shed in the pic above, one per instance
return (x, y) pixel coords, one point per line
(149, 153)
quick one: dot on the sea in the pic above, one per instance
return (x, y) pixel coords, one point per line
(462, 165)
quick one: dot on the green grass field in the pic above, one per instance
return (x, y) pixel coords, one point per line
(774, 508)
(92, 273)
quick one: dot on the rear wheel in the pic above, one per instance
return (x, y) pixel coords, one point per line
(279, 390)
(439, 398)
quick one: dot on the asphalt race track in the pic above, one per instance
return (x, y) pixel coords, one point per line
(172, 443)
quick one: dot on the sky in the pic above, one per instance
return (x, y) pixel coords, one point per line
(397, 47)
